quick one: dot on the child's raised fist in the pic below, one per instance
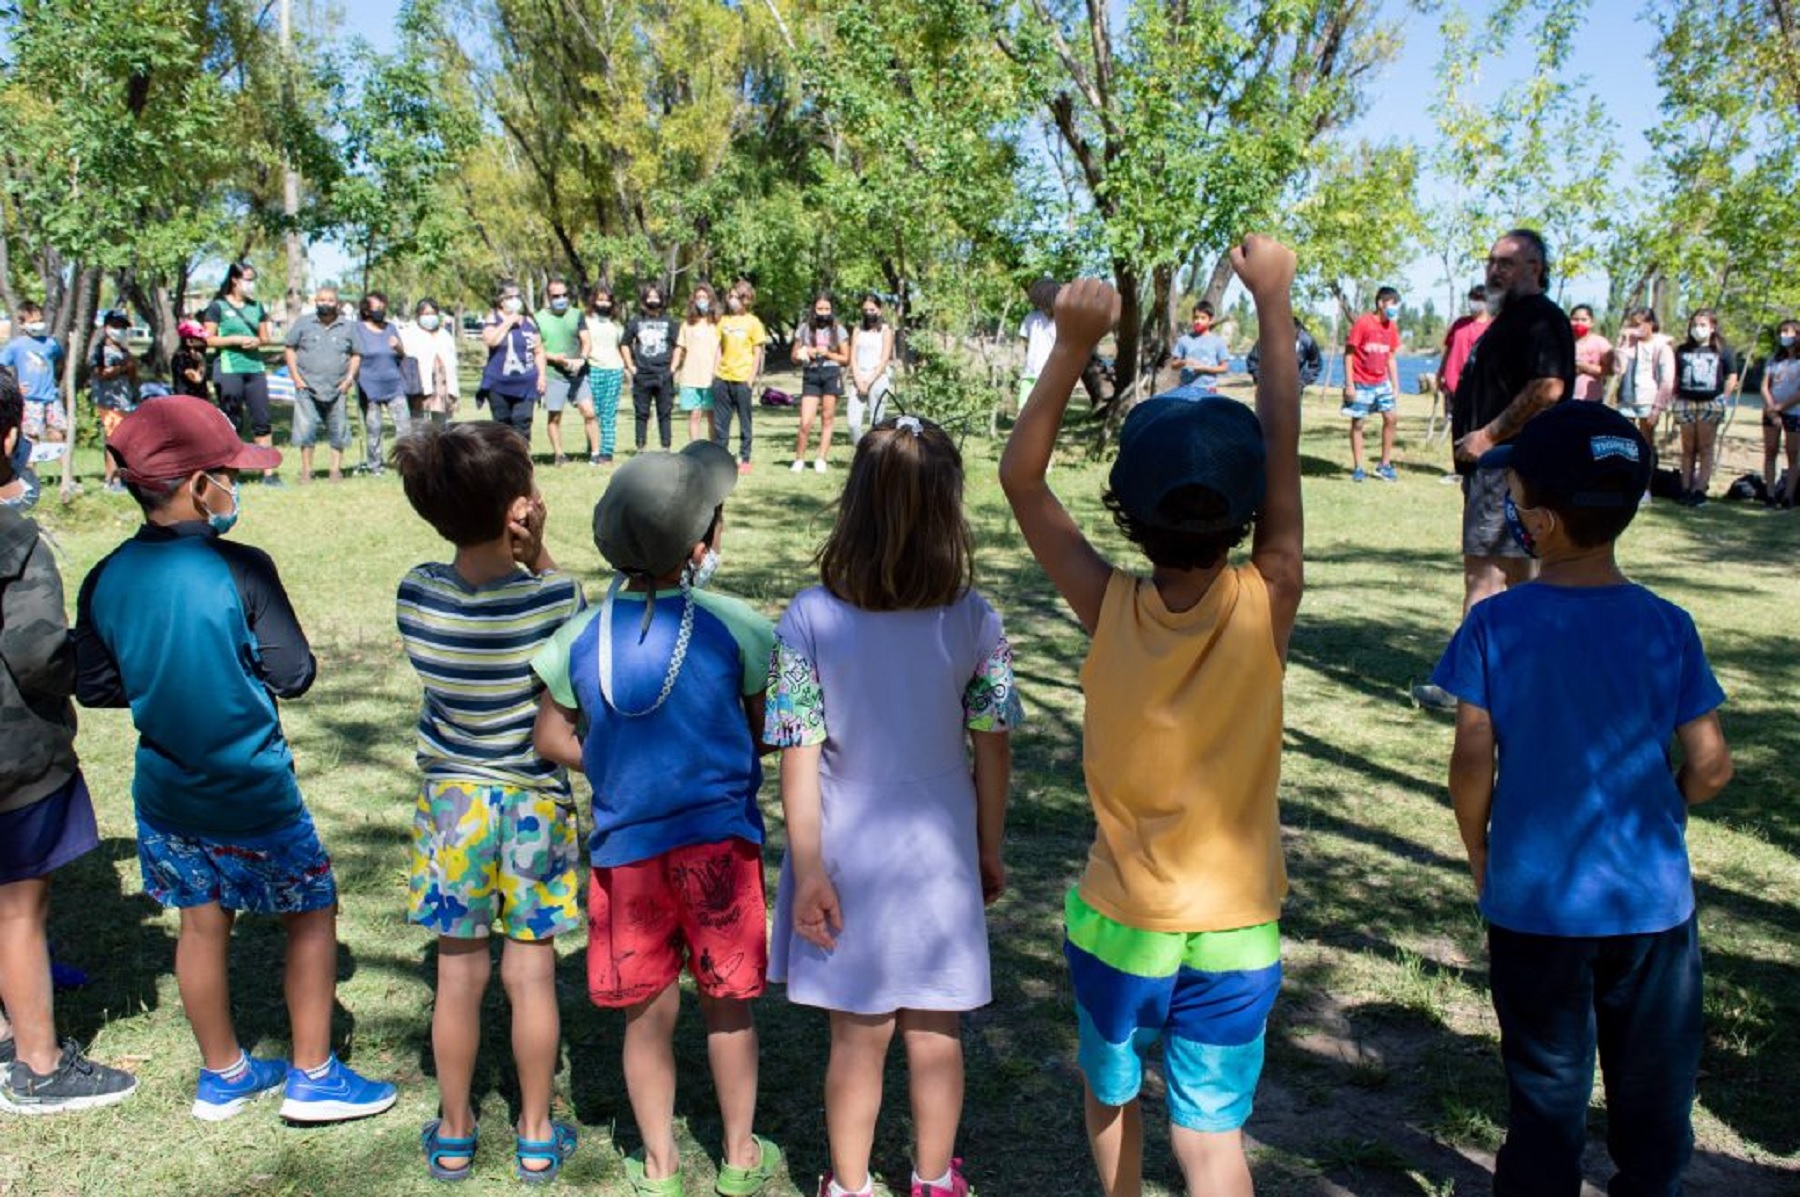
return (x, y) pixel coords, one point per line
(1086, 310)
(1265, 265)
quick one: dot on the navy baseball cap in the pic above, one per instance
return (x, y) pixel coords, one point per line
(1577, 455)
(1171, 442)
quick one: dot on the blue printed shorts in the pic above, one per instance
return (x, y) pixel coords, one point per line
(1206, 995)
(1377, 399)
(283, 872)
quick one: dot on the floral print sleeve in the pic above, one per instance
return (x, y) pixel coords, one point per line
(795, 714)
(991, 700)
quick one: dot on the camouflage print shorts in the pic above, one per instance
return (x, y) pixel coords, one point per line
(486, 853)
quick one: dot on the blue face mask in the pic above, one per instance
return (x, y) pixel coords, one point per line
(222, 523)
(1787, 339)
(1392, 311)
(559, 304)
(1520, 533)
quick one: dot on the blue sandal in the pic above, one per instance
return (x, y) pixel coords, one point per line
(554, 1151)
(438, 1146)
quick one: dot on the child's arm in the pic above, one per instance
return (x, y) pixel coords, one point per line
(1472, 783)
(1267, 268)
(285, 661)
(1706, 760)
(1085, 310)
(756, 709)
(993, 779)
(817, 916)
(554, 736)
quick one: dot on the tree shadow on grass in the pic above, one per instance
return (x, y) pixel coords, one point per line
(118, 939)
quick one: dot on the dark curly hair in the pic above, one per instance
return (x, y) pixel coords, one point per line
(1171, 548)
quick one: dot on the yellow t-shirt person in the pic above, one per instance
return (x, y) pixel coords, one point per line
(740, 336)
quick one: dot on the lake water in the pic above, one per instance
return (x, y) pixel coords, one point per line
(1411, 366)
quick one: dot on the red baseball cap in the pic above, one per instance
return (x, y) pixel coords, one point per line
(179, 435)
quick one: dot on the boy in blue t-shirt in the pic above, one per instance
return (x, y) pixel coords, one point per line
(33, 356)
(1574, 820)
(195, 634)
(657, 695)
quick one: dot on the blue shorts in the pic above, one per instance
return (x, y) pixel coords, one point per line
(37, 840)
(1377, 399)
(1206, 995)
(283, 872)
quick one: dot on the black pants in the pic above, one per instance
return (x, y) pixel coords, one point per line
(1637, 999)
(732, 399)
(240, 391)
(658, 388)
(514, 412)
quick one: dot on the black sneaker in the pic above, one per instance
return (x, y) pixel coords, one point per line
(77, 1083)
(1696, 498)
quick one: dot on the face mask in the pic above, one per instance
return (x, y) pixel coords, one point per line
(734, 305)
(121, 335)
(703, 305)
(1701, 332)
(871, 319)
(327, 312)
(247, 287)
(1200, 326)
(1786, 339)
(603, 309)
(221, 523)
(1391, 311)
(822, 319)
(33, 328)
(512, 305)
(653, 304)
(700, 575)
(377, 316)
(1477, 306)
(1520, 533)
(559, 304)
(1582, 329)
(430, 321)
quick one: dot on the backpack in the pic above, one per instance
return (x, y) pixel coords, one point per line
(1748, 487)
(774, 398)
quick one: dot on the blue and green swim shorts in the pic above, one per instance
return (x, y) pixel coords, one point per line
(1205, 994)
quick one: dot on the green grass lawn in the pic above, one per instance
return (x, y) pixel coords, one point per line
(1383, 1074)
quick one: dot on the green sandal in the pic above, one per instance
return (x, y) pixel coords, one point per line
(555, 1151)
(438, 1146)
(747, 1182)
(643, 1186)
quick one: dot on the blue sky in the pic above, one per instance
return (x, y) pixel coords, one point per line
(1613, 52)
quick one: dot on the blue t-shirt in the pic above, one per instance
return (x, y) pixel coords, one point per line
(1208, 349)
(687, 772)
(379, 373)
(1585, 687)
(33, 362)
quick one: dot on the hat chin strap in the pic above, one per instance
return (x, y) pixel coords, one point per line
(604, 650)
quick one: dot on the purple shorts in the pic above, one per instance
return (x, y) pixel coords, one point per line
(37, 840)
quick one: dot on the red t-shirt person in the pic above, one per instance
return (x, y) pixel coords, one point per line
(1373, 342)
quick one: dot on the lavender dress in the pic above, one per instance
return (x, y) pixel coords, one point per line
(890, 695)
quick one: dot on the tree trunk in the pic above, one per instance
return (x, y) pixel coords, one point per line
(86, 293)
(1130, 336)
(1218, 281)
(7, 294)
(1162, 320)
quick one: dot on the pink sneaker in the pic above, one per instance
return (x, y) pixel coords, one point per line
(958, 1186)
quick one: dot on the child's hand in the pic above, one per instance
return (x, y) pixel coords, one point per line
(1265, 265)
(817, 916)
(1086, 310)
(993, 877)
(525, 530)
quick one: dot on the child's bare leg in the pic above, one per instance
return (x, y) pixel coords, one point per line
(1116, 1135)
(1212, 1163)
(934, 1068)
(1356, 444)
(1388, 423)
(809, 411)
(830, 405)
(591, 425)
(650, 1078)
(528, 970)
(203, 974)
(859, 1044)
(462, 978)
(25, 985)
(310, 983)
(694, 425)
(731, 1050)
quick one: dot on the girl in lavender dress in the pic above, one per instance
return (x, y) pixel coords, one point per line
(882, 680)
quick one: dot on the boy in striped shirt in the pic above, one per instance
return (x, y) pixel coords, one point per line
(494, 836)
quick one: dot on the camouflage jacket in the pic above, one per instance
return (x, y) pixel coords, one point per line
(37, 669)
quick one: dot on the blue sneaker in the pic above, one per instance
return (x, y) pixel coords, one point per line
(216, 1099)
(1386, 473)
(338, 1095)
(1357, 475)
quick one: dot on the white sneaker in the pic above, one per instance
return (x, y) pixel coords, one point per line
(798, 466)
(819, 465)
(1645, 501)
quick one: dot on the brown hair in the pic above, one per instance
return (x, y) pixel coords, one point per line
(694, 314)
(462, 479)
(900, 542)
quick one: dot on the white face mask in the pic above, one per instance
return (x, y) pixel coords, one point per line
(512, 305)
(33, 328)
(429, 322)
(247, 287)
(121, 335)
(1702, 332)
(700, 575)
